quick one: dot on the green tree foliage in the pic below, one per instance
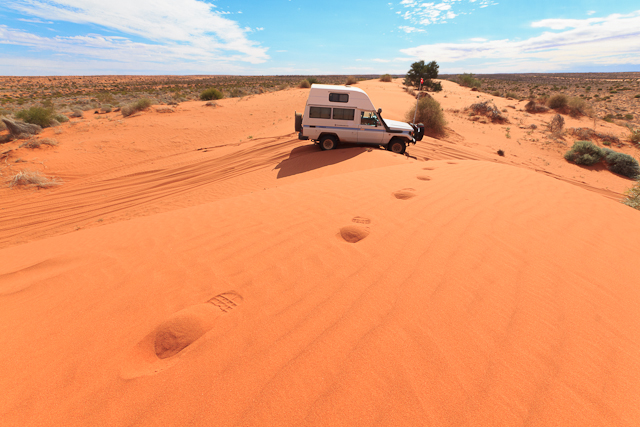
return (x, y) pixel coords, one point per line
(420, 70)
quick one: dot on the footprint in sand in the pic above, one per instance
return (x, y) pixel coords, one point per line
(428, 169)
(404, 194)
(353, 233)
(154, 353)
(452, 163)
(361, 220)
(423, 178)
(187, 325)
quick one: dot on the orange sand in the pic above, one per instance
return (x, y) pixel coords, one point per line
(186, 274)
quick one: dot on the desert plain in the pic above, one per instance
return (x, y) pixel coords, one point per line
(200, 265)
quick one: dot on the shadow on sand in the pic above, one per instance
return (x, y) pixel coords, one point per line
(309, 157)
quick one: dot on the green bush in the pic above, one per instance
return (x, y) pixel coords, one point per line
(211, 94)
(386, 78)
(61, 118)
(312, 80)
(304, 84)
(584, 153)
(139, 105)
(37, 116)
(467, 80)
(430, 114)
(558, 101)
(622, 164)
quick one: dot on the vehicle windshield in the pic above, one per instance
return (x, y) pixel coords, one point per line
(369, 118)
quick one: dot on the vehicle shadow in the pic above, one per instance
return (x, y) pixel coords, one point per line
(309, 157)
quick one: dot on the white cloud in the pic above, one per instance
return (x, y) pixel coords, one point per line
(435, 12)
(409, 30)
(189, 28)
(591, 12)
(596, 41)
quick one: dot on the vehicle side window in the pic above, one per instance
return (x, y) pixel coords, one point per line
(339, 97)
(319, 113)
(368, 118)
(343, 113)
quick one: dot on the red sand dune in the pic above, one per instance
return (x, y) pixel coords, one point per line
(263, 282)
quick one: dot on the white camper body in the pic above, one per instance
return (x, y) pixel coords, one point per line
(337, 114)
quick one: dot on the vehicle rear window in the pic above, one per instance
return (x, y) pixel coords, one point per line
(319, 113)
(343, 113)
(339, 97)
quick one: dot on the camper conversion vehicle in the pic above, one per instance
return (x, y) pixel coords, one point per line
(343, 114)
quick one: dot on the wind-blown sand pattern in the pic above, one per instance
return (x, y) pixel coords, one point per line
(263, 282)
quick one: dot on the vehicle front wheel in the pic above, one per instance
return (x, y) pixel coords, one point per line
(328, 142)
(397, 146)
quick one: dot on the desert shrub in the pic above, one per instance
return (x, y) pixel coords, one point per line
(495, 93)
(37, 116)
(467, 80)
(577, 107)
(511, 95)
(533, 107)
(584, 134)
(584, 153)
(633, 196)
(351, 80)
(312, 80)
(558, 102)
(488, 110)
(211, 94)
(620, 163)
(386, 78)
(139, 105)
(628, 116)
(304, 84)
(635, 135)
(556, 124)
(430, 114)
(36, 143)
(608, 118)
(61, 118)
(31, 178)
(107, 108)
(237, 92)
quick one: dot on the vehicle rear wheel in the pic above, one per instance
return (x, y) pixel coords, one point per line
(397, 145)
(328, 142)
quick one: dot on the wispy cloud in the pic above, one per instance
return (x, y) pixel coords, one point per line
(409, 30)
(439, 12)
(189, 29)
(604, 41)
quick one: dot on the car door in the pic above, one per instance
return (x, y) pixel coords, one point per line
(370, 130)
(345, 123)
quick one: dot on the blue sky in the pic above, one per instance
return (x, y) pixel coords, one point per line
(248, 37)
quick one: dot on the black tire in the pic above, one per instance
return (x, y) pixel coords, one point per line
(397, 146)
(298, 122)
(328, 142)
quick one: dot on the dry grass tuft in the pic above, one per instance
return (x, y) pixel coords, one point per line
(37, 143)
(351, 80)
(32, 179)
(488, 110)
(534, 107)
(556, 124)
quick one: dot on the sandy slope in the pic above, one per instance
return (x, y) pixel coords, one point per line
(262, 282)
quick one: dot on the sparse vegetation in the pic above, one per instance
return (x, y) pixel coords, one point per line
(430, 114)
(468, 80)
(489, 110)
(351, 80)
(139, 105)
(32, 179)
(211, 94)
(36, 143)
(386, 78)
(533, 107)
(40, 116)
(304, 84)
(633, 196)
(556, 124)
(577, 107)
(584, 153)
(558, 102)
(634, 136)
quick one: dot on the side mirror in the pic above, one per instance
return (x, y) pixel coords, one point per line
(379, 110)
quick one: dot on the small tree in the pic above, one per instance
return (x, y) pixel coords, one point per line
(420, 70)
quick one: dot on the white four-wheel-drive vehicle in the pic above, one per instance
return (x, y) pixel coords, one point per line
(337, 114)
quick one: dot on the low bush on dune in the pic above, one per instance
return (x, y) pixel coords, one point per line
(37, 143)
(533, 107)
(633, 196)
(40, 116)
(488, 110)
(211, 94)
(468, 80)
(312, 80)
(558, 102)
(32, 179)
(556, 125)
(386, 78)
(139, 105)
(578, 107)
(351, 80)
(635, 135)
(586, 153)
(304, 84)
(430, 114)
